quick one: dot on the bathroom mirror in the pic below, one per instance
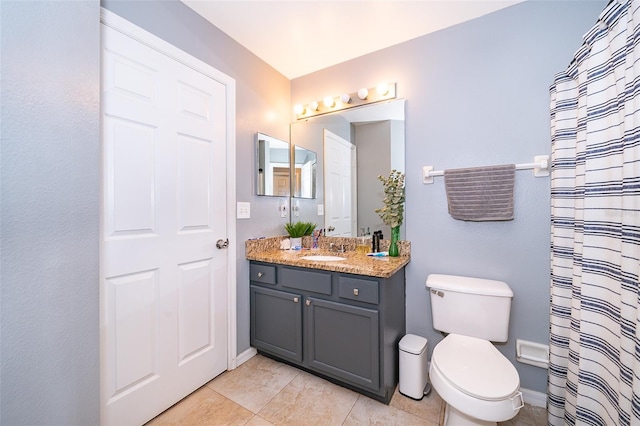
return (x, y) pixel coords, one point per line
(373, 138)
(272, 166)
(304, 173)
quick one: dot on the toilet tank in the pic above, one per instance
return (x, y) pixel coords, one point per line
(472, 307)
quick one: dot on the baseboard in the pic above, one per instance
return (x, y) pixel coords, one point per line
(536, 399)
(245, 356)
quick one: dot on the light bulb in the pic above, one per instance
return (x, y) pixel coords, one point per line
(314, 106)
(299, 109)
(363, 93)
(382, 89)
(345, 98)
(329, 102)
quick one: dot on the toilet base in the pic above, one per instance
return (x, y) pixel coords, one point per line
(453, 417)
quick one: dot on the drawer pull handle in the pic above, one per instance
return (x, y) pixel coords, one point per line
(259, 274)
(355, 292)
(296, 300)
(308, 302)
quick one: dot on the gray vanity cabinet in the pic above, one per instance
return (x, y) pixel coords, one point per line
(343, 327)
(342, 340)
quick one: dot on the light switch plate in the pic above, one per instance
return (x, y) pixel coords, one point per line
(320, 209)
(243, 210)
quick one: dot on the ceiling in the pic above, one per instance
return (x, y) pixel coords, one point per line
(302, 36)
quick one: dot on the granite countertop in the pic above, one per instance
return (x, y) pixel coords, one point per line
(355, 263)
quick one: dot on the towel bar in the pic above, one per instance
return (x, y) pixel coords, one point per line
(540, 168)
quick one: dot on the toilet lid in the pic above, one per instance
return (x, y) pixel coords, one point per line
(475, 367)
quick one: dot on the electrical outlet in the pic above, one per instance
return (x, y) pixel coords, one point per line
(243, 210)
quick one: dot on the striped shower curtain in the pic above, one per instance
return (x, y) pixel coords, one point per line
(594, 371)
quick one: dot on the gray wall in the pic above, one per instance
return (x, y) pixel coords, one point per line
(477, 94)
(262, 105)
(49, 215)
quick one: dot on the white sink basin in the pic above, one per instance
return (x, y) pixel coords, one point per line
(319, 258)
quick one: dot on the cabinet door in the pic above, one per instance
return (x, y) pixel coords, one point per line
(342, 341)
(276, 322)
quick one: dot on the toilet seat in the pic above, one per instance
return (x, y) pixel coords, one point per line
(475, 367)
(472, 376)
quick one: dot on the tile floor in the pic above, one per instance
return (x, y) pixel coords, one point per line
(264, 392)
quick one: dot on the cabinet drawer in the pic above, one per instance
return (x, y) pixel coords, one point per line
(263, 273)
(317, 282)
(358, 289)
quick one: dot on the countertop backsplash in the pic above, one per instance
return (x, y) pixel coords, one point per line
(324, 244)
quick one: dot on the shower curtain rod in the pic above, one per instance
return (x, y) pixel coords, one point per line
(540, 168)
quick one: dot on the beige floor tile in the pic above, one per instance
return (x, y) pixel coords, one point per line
(203, 407)
(309, 400)
(264, 392)
(259, 421)
(255, 382)
(429, 407)
(528, 416)
(367, 411)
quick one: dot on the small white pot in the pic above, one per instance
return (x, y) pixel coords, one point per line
(296, 243)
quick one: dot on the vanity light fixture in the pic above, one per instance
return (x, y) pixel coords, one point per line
(364, 96)
(329, 102)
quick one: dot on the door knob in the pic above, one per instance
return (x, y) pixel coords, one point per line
(331, 229)
(222, 244)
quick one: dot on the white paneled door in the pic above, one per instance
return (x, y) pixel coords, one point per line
(164, 318)
(340, 186)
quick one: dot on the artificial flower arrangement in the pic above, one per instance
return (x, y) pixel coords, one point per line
(393, 211)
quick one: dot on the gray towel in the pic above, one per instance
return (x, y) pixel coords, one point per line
(480, 193)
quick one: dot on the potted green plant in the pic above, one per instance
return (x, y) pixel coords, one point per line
(298, 230)
(393, 210)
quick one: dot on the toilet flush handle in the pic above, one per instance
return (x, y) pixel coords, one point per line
(517, 402)
(438, 292)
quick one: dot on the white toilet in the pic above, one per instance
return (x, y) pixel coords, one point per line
(479, 385)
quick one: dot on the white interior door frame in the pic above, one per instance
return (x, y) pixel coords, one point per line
(117, 23)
